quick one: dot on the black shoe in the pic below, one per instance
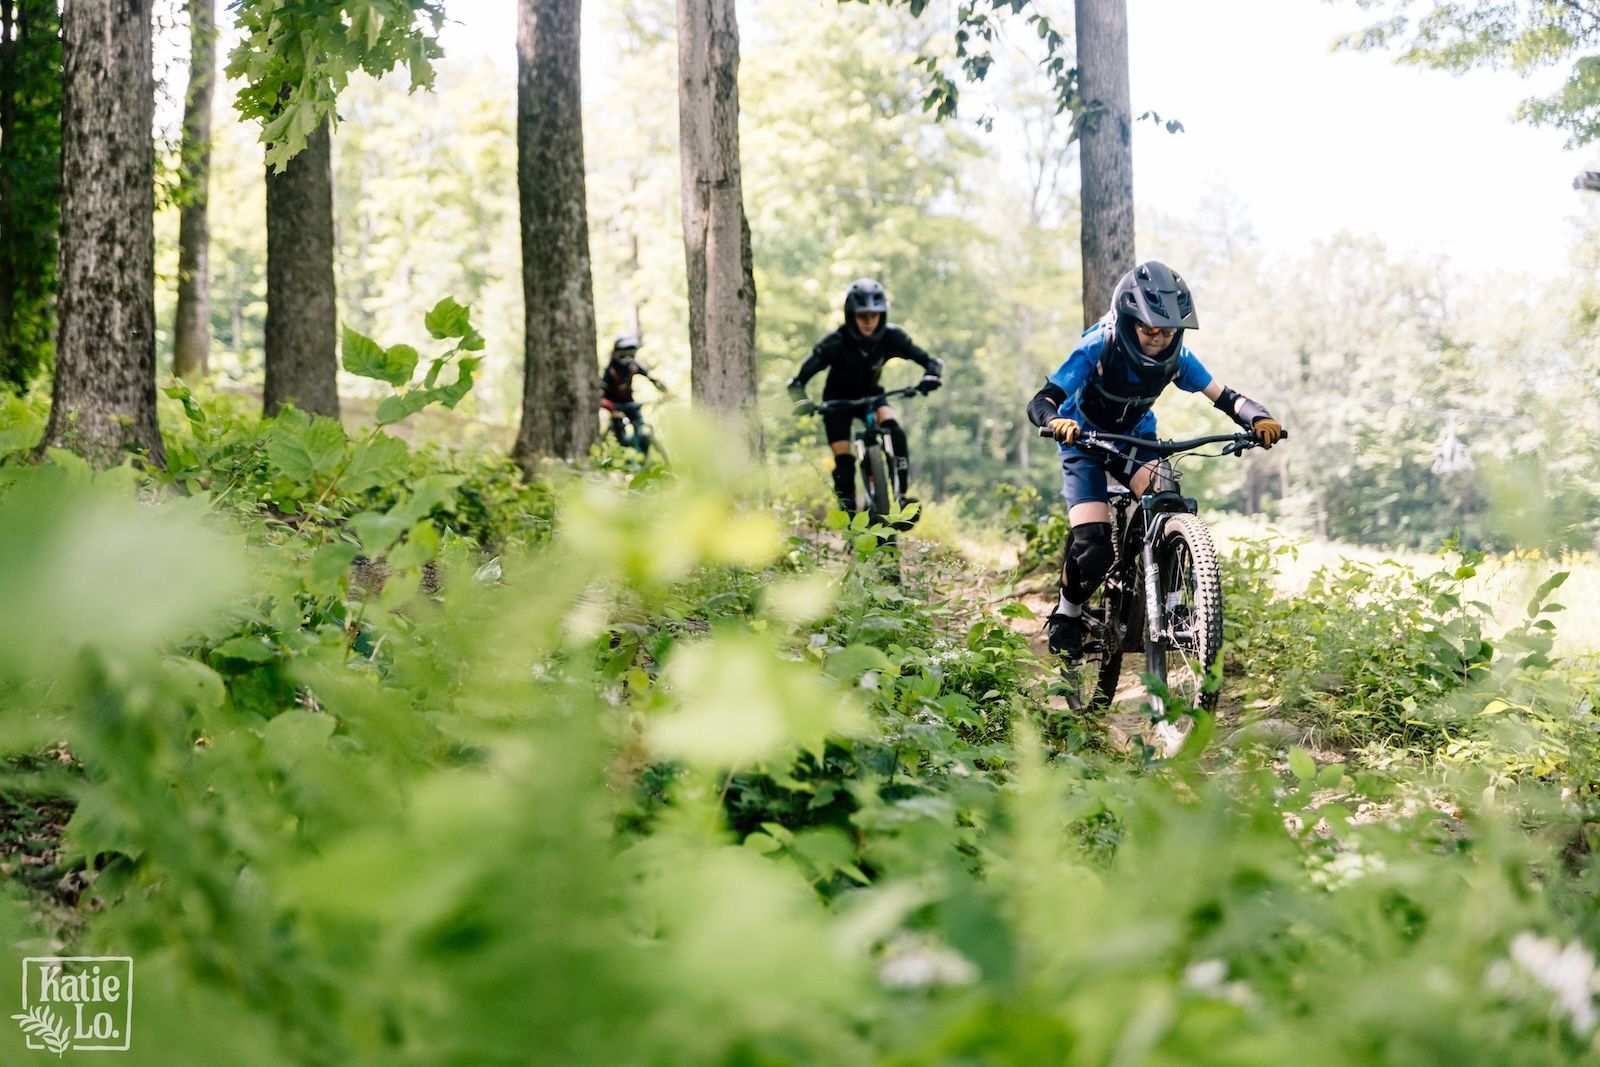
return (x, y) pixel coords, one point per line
(1066, 634)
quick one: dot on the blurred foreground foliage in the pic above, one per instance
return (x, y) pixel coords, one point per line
(381, 755)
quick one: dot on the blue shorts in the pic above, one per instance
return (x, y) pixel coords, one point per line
(1083, 474)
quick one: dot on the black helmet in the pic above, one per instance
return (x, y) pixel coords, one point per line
(865, 295)
(1154, 294)
(625, 345)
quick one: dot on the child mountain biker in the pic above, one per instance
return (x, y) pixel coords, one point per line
(1109, 383)
(854, 356)
(616, 391)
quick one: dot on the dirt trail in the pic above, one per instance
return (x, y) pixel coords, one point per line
(1127, 722)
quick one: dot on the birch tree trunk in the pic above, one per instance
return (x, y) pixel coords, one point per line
(302, 317)
(560, 391)
(104, 399)
(191, 334)
(716, 234)
(1106, 159)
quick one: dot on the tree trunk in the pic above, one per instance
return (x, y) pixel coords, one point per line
(716, 234)
(105, 383)
(30, 185)
(191, 344)
(1106, 152)
(560, 395)
(302, 320)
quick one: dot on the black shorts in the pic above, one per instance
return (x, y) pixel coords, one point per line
(837, 424)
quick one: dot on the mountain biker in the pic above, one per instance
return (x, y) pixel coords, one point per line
(616, 391)
(1109, 383)
(854, 356)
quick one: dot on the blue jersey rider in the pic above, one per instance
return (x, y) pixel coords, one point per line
(1110, 383)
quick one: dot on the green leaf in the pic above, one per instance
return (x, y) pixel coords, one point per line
(381, 461)
(1018, 610)
(329, 565)
(191, 407)
(854, 660)
(395, 408)
(1548, 586)
(289, 738)
(1331, 775)
(450, 395)
(377, 530)
(252, 649)
(366, 357)
(421, 545)
(448, 319)
(303, 447)
(434, 491)
(1301, 765)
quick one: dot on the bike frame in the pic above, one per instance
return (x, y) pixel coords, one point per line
(1160, 500)
(870, 436)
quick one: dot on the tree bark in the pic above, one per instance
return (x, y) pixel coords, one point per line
(560, 394)
(716, 234)
(1106, 152)
(30, 185)
(302, 319)
(191, 334)
(104, 401)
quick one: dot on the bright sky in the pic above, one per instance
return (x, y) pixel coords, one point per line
(1310, 141)
(1314, 141)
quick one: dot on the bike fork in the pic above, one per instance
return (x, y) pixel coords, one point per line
(1152, 590)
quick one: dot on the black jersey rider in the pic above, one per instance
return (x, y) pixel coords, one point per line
(854, 355)
(616, 391)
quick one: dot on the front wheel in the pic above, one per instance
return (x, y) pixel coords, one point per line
(875, 474)
(1190, 582)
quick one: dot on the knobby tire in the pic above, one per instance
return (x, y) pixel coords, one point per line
(1191, 592)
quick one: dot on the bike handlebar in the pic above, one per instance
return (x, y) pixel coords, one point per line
(865, 403)
(1101, 440)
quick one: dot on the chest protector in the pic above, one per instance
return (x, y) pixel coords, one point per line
(1121, 391)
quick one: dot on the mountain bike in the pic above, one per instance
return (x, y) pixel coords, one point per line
(639, 435)
(1163, 594)
(875, 456)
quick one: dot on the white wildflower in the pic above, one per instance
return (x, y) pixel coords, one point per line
(1344, 868)
(1208, 979)
(1568, 972)
(920, 961)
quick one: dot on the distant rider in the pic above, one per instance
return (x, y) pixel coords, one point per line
(853, 356)
(1109, 383)
(616, 392)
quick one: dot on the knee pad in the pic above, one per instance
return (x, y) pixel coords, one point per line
(897, 436)
(1089, 556)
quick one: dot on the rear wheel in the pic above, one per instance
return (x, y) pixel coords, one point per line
(1191, 612)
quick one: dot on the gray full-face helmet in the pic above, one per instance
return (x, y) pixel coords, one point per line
(1153, 294)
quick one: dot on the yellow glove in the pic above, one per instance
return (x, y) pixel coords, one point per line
(1267, 431)
(1064, 430)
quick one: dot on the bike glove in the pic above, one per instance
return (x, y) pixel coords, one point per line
(929, 383)
(1267, 431)
(1064, 430)
(804, 406)
(1250, 415)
